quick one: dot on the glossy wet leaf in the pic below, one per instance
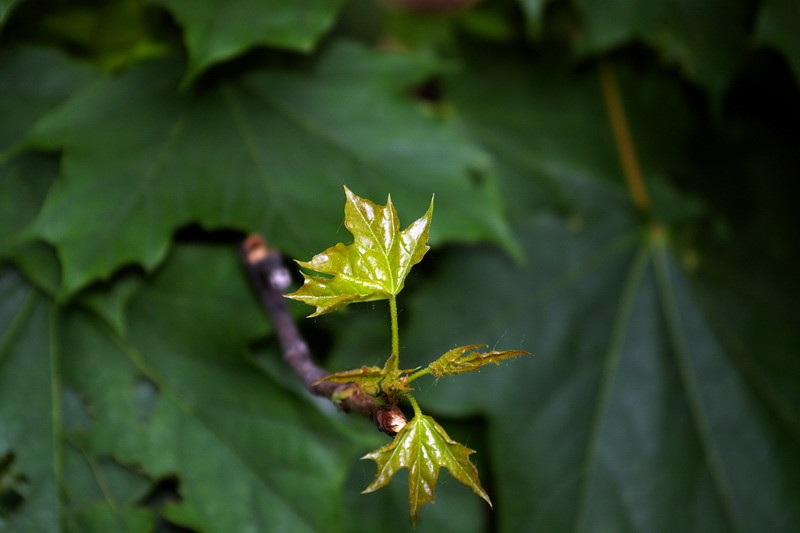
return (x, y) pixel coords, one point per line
(456, 508)
(368, 377)
(468, 359)
(423, 447)
(143, 159)
(218, 30)
(374, 266)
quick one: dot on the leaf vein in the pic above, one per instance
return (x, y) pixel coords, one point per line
(674, 328)
(607, 378)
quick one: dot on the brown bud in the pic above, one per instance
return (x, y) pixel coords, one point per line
(254, 248)
(390, 420)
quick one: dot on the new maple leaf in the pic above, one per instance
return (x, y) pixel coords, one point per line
(373, 380)
(467, 358)
(374, 266)
(424, 447)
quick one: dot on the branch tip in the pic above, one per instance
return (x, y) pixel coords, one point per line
(255, 249)
(270, 277)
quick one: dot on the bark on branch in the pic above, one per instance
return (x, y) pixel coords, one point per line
(270, 278)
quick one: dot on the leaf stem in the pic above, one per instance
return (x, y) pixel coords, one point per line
(393, 365)
(418, 374)
(414, 404)
(622, 136)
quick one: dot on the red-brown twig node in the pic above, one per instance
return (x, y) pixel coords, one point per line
(255, 249)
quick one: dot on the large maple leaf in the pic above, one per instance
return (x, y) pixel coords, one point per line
(374, 266)
(424, 447)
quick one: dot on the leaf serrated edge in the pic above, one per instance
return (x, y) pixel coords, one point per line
(467, 475)
(448, 363)
(417, 233)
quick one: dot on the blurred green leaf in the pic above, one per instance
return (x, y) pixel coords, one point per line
(34, 80)
(105, 518)
(141, 160)
(706, 39)
(623, 325)
(777, 25)
(112, 33)
(5, 8)
(210, 418)
(547, 126)
(218, 30)
(26, 405)
(99, 494)
(110, 300)
(646, 408)
(56, 485)
(24, 182)
(664, 396)
(534, 15)
(661, 412)
(642, 403)
(374, 266)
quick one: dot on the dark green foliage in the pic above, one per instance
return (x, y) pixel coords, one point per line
(139, 380)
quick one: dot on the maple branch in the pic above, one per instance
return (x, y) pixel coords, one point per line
(270, 277)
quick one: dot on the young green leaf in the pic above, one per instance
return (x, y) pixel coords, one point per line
(374, 266)
(368, 377)
(364, 375)
(424, 447)
(467, 358)
(372, 379)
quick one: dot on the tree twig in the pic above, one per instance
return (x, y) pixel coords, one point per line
(270, 277)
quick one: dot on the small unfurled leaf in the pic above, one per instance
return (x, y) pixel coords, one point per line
(467, 358)
(363, 375)
(374, 266)
(424, 447)
(367, 377)
(373, 380)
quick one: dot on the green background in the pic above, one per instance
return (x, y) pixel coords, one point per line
(141, 387)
